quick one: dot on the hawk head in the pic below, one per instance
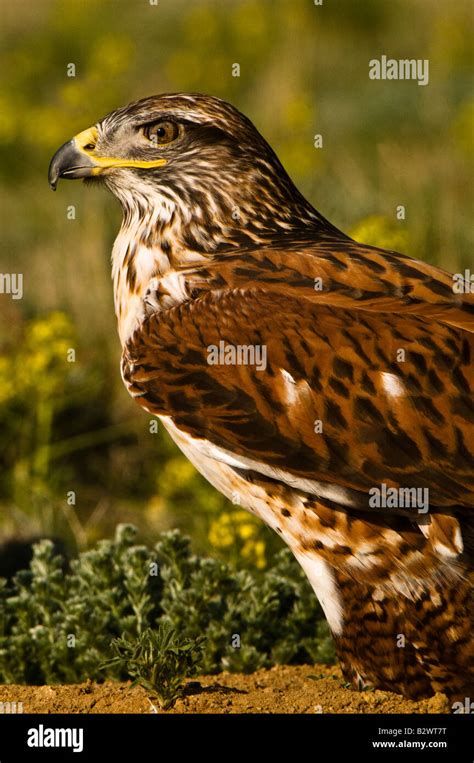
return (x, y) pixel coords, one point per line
(192, 159)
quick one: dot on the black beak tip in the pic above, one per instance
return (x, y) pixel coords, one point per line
(63, 159)
(54, 172)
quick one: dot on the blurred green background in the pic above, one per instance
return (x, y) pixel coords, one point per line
(77, 453)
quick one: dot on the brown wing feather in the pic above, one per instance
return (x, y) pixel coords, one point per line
(337, 358)
(353, 276)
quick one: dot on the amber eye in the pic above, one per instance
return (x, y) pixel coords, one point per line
(161, 133)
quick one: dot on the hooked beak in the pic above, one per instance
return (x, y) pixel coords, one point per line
(77, 159)
(74, 159)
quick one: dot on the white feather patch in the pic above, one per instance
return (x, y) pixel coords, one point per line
(392, 385)
(327, 490)
(320, 576)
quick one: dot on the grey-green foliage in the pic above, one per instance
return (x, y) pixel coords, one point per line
(57, 621)
(159, 661)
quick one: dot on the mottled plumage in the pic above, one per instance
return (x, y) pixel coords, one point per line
(367, 378)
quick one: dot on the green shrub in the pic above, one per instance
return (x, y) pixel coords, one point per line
(57, 622)
(158, 661)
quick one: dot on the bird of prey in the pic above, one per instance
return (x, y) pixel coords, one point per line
(324, 382)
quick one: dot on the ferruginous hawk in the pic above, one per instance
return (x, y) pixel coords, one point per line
(324, 382)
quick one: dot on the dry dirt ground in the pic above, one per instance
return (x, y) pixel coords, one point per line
(283, 689)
